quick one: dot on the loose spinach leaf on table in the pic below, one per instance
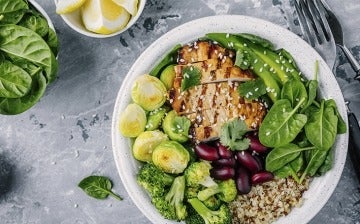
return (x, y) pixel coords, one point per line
(18, 105)
(20, 42)
(282, 124)
(321, 129)
(98, 187)
(14, 81)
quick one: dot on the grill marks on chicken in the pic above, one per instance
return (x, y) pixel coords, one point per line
(216, 100)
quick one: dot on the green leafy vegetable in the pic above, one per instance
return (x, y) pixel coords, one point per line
(242, 59)
(252, 89)
(53, 41)
(191, 77)
(12, 11)
(35, 22)
(257, 40)
(327, 165)
(321, 128)
(341, 127)
(232, 135)
(294, 90)
(282, 124)
(316, 159)
(98, 187)
(169, 58)
(14, 81)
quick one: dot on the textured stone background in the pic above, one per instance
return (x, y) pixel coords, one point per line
(66, 136)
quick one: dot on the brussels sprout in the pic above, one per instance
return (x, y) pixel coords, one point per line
(132, 121)
(149, 92)
(170, 157)
(145, 144)
(176, 127)
(168, 76)
(155, 118)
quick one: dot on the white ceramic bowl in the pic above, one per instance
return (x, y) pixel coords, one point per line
(320, 188)
(74, 20)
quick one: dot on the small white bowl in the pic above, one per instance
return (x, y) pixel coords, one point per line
(74, 20)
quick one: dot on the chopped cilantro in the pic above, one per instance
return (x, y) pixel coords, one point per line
(181, 125)
(252, 89)
(232, 135)
(242, 59)
(191, 77)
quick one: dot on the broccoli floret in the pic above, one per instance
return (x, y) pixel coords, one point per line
(220, 216)
(153, 180)
(225, 190)
(193, 217)
(213, 203)
(192, 192)
(171, 206)
(198, 173)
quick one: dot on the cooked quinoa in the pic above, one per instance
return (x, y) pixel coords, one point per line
(269, 201)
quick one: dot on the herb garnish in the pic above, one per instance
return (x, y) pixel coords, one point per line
(191, 77)
(252, 89)
(98, 187)
(232, 135)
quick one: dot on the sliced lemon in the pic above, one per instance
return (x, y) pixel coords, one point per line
(66, 6)
(129, 5)
(104, 16)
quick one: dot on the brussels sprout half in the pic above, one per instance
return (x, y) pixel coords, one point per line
(171, 157)
(145, 144)
(132, 121)
(149, 92)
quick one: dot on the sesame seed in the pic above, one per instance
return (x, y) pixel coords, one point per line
(256, 89)
(290, 61)
(227, 35)
(182, 60)
(264, 52)
(265, 65)
(261, 69)
(267, 133)
(277, 61)
(245, 46)
(256, 60)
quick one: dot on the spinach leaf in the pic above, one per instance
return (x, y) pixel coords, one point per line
(53, 41)
(287, 171)
(18, 105)
(282, 124)
(280, 156)
(14, 81)
(12, 11)
(35, 22)
(29, 67)
(294, 90)
(341, 127)
(316, 160)
(98, 187)
(20, 42)
(169, 58)
(321, 128)
(327, 165)
(298, 163)
(252, 89)
(257, 40)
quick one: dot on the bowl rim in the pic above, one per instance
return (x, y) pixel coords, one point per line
(84, 31)
(322, 186)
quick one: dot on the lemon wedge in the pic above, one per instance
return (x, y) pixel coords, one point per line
(66, 6)
(129, 5)
(104, 16)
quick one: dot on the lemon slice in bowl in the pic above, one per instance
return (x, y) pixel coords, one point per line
(129, 5)
(104, 16)
(67, 6)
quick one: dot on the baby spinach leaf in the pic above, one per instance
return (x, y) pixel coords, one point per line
(280, 156)
(287, 171)
(191, 77)
(232, 135)
(312, 86)
(327, 165)
(282, 124)
(12, 11)
(294, 90)
(53, 41)
(316, 160)
(341, 127)
(18, 105)
(14, 81)
(98, 187)
(35, 22)
(20, 42)
(252, 89)
(321, 128)
(298, 163)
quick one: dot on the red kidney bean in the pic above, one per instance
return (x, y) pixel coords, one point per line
(260, 161)
(224, 162)
(256, 145)
(224, 152)
(223, 173)
(261, 177)
(242, 180)
(206, 152)
(247, 160)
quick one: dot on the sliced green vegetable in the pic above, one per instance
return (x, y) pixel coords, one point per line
(155, 118)
(145, 144)
(168, 76)
(257, 40)
(169, 58)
